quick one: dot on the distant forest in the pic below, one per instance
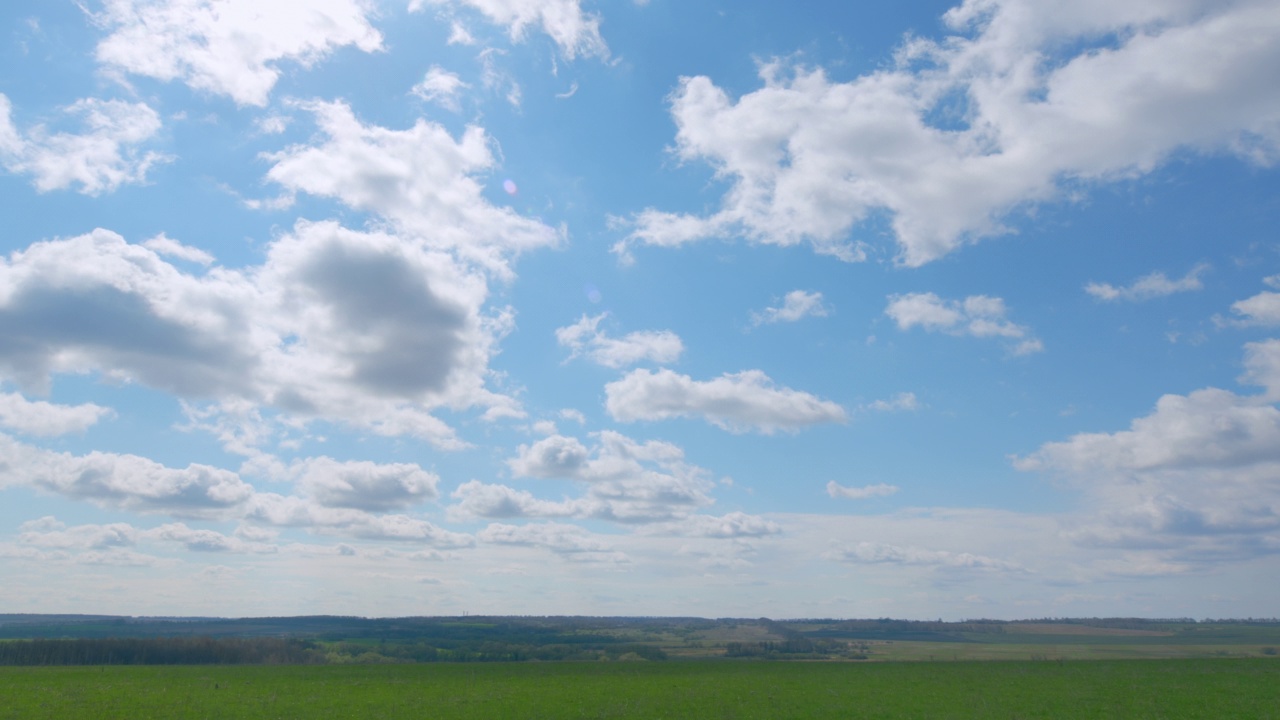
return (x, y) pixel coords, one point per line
(108, 640)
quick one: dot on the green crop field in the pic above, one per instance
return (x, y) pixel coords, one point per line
(1210, 688)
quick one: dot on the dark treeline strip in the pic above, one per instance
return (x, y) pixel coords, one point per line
(160, 651)
(278, 651)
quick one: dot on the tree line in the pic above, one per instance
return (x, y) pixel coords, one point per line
(160, 651)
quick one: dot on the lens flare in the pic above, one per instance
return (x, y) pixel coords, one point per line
(510, 186)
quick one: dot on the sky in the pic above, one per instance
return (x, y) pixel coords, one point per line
(640, 307)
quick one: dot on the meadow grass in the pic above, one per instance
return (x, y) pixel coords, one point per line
(1214, 688)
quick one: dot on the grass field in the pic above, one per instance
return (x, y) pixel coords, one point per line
(1210, 688)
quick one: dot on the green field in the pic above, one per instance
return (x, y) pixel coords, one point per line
(1219, 688)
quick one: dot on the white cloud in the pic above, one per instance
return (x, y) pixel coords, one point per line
(1262, 367)
(576, 32)
(797, 305)
(99, 160)
(47, 419)
(1022, 100)
(1197, 479)
(905, 401)
(228, 47)
(737, 402)
(47, 532)
(569, 541)
(977, 315)
(1147, 287)
(419, 179)
(586, 338)
(441, 87)
(627, 481)
(882, 553)
(836, 490)
(169, 247)
(365, 485)
(362, 328)
(124, 481)
(728, 526)
(293, 511)
(1261, 309)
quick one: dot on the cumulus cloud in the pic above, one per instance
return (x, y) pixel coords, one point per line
(167, 246)
(99, 160)
(47, 419)
(902, 402)
(977, 316)
(1148, 287)
(419, 179)
(228, 47)
(626, 481)
(1261, 309)
(797, 305)
(365, 485)
(340, 498)
(885, 554)
(1021, 100)
(836, 490)
(732, 525)
(569, 541)
(48, 532)
(737, 402)
(574, 31)
(585, 338)
(293, 511)
(362, 328)
(1198, 478)
(129, 482)
(1262, 367)
(441, 87)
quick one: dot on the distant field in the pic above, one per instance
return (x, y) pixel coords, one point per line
(718, 689)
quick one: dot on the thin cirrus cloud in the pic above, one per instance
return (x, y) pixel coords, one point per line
(737, 402)
(978, 316)
(1148, 287)
(808, 159)
(586, 338)
(99, 160)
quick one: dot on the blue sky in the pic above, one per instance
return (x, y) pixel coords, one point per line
(619, 307)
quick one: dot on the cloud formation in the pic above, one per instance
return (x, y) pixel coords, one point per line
(575, 32)
(979, 316)
(626, 481)
(228, 47)
(797, 305)
(836, 490)
(441, 87)
(420, 179)
(99, 160)
(1197, 479)
(47, 419)
(362, 328)
(1021, 101)
(585, 338)
(737, 402)
(1147, 287)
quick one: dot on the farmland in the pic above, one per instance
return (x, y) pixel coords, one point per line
(703, 689)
